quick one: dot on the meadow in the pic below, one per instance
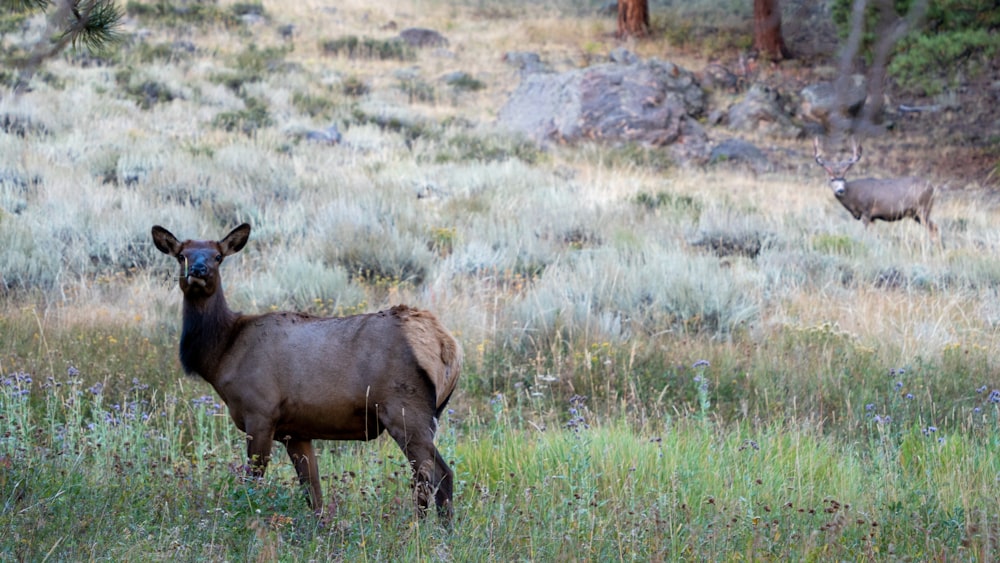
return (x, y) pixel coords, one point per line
(628, 394)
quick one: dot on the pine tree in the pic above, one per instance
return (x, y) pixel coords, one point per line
(88, 24)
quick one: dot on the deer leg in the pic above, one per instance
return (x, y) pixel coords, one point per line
(304, 459)
(931, 227)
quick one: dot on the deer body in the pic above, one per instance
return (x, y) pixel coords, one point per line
(295, 377)
(871, 199)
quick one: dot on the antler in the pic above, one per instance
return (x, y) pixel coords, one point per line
(838, 169)
(856, 148)
(819, 158)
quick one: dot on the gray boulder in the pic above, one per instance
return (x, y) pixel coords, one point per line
(525, 61)
(760, 110)
(820, 104)
(652, 102)
(422, 37)
(739, 152)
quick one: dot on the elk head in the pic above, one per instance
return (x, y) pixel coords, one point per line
(199, 260)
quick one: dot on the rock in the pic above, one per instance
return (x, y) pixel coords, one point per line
(622, 56)
(650, 102)
(422, 37)
(739, 151)
(820, 104)
(760, 110)
(329, 136)
(526, 61)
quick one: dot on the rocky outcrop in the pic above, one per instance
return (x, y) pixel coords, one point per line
(649, 102)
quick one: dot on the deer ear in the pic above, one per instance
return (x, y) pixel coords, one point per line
(235, 240)
(165, 241)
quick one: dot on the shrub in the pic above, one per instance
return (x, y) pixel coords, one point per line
(145, 92)
(375, 245)
(181, 14)
(842, 245)
(957, 39)
(247, 120)
(354, 47)
(297, 282)
(354, 87)
(682, 205)
(313, 106)
(929, 62)
(487, 148)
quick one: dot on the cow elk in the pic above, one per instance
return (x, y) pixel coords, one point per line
(295, 377)
(870, 199)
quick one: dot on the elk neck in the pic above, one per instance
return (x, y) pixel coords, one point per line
(208, 329)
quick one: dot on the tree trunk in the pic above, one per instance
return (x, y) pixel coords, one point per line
(767, 30)
(633, 18)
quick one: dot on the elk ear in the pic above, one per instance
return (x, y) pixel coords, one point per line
(235, 240)
(165, 241)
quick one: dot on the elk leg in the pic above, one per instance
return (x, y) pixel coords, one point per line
(445, 486)
(259, 450)
(304, 459)
(432, 478)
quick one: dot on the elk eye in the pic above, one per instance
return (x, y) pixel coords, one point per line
(218, 258)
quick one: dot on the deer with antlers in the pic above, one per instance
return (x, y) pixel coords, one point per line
(870, 199)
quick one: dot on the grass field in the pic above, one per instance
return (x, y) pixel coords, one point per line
(627, 394)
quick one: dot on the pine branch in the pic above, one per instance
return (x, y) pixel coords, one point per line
(21, 6)
(92, 24)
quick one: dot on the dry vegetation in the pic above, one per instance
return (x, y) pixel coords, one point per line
(564, 271)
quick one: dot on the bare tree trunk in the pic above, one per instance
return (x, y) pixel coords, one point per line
(890, 27)
(633, 18)
(767, 30)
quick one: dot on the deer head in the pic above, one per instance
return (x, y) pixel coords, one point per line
(838, 170)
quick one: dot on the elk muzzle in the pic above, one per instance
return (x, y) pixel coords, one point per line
(194, 273)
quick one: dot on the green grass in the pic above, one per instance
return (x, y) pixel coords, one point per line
(712, 460)
(89, 472)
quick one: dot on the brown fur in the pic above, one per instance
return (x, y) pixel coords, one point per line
(870, 199)
(295, 377)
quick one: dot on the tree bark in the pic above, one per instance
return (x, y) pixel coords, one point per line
(767, 30)
(633, 18)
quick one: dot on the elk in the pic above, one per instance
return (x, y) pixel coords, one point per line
(295, 377)
(870, 199)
